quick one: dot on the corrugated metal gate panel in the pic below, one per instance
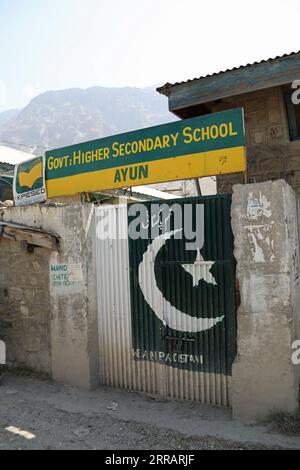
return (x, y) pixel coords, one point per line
(151, 341)
(114, 303)
(117, 367)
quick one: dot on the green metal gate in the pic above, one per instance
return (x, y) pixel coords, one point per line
(183, 298)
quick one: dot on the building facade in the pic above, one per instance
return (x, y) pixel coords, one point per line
(267, 91)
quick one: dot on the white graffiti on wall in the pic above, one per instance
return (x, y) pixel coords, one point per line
(260, 236)
(258, 206)
(262, 242)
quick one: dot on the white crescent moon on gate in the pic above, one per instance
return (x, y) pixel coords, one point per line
(169, 315)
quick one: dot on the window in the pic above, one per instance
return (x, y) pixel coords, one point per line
(293, 111)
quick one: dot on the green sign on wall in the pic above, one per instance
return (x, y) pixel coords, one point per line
(205, 145)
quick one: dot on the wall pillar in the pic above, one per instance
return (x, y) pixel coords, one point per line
(264, 222)
(74, 327)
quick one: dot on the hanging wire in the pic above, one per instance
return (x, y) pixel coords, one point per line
(23, 145)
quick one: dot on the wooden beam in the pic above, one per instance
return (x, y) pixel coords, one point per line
(31, 236)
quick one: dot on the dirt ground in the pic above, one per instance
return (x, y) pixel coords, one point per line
(39, 414)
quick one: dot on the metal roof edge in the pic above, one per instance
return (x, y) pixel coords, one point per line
(165, 89)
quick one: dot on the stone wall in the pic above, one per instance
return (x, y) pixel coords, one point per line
(270, 153)
(266, 247)
(48, 307)
(25, 306)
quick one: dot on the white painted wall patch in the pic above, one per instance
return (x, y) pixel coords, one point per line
(64, 275)
(258, 206)
(262, 242)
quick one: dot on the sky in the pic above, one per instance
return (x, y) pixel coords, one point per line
(57, 44)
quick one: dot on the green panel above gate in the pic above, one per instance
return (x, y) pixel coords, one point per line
(182, 280)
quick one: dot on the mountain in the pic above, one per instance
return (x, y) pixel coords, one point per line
(58, 118)
(9, 115)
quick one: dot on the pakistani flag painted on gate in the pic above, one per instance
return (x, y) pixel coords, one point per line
(182, 299)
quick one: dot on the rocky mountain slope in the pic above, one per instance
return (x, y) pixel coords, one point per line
(58, 118)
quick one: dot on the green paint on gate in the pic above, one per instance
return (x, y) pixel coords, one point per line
(187, 293)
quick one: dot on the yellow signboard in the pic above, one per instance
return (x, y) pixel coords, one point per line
(202, 146)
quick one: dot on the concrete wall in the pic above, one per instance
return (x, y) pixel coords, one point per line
(48, 308)
(265, 227)
(270, 153)
(48, 304)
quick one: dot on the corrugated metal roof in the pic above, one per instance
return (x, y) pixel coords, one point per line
(12, 156)
(164, 88)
